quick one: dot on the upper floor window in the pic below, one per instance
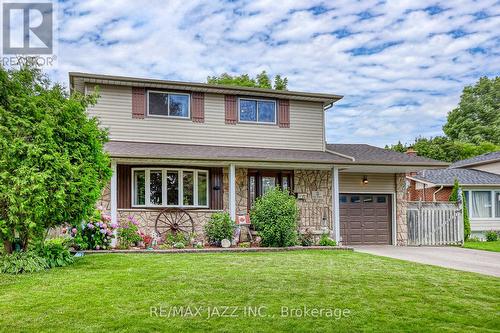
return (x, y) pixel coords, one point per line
(257, 110)
(166, 104)
(162, 187)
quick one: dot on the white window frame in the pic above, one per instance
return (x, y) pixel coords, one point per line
(257, 111)
(494, 203)
(168, 93)
(147, 201)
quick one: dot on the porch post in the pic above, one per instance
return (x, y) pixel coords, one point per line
(114, 199)
(232, 191)
(336, 203)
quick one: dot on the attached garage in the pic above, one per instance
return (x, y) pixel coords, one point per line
(365, 219)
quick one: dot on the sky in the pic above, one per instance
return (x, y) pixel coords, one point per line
(400, 65)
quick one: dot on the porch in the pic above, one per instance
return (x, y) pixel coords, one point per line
(352, 207)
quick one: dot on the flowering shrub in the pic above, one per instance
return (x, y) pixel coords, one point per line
(128, 233)
(95, 234)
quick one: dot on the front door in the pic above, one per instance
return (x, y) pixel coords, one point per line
(261, 181)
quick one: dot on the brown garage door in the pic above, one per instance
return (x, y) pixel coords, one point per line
(365, 219)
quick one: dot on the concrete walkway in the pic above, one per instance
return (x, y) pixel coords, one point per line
(477, 261)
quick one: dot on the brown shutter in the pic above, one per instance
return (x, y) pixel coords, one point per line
(216, 189)
(138, 103)
(231, 109)
(198, 107)
(124, 186)
(284, 113)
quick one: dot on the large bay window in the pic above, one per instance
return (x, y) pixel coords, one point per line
(166, 187)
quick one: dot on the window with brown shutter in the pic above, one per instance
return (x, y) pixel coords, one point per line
(138, 102)
(198, 107)
(230, 109)
(284, 113)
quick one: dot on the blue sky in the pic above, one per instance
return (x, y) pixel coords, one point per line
(401, 65)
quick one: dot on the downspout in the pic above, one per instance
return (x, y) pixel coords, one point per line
(434, 194)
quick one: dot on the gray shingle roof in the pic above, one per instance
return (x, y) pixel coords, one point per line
(465, 177)
(220, 153)
(481, 159)
(366, 154)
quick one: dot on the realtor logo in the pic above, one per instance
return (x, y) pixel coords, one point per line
(27, 28)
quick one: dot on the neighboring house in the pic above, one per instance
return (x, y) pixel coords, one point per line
(480, 180)
(209, 148)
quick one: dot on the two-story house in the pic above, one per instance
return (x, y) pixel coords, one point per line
(208, 148)
(479, 178)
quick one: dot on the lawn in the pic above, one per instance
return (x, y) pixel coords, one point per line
(487, 246)
(137, 292)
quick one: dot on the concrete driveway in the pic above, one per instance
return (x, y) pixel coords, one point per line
(477, 261)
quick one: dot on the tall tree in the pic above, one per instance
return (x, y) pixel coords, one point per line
(477, 117)
(473, 128)
(52, 164)
(262, 80)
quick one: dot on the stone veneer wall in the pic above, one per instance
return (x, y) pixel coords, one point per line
(401, 207)
(241, 190)
(315, 214)
(147, 219)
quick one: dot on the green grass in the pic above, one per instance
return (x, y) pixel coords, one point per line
(116, 292)
(487, 246)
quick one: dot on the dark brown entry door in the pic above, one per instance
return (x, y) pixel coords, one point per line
(365, 219)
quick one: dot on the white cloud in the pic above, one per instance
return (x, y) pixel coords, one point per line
(400, 64)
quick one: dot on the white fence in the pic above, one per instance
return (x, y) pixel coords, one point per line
(435, 223)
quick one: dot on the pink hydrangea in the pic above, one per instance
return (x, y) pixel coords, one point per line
(74, 230)
(105, 217)
(114, 225)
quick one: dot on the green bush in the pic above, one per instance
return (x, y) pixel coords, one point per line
(177, 238)
(179, 245)
(454, 198)
(22, 262)
(491, 236)
(274, 216)
(219, 227)
(128, 233)
(325, 240)
(55, 252)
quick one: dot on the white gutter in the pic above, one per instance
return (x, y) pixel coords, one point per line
(341, 155)
(434, 194)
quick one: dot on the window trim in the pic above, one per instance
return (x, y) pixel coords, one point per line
(494, 203)
(180, 192)
(257, 111)
(168, 105)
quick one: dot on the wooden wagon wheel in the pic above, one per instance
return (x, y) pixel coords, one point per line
(174, 220)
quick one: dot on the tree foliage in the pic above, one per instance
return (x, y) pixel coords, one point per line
(454, 198)
(477, 117)
(52, 164)
(473, 128)
(262, 80)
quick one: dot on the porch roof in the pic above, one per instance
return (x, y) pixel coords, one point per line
(126, 149)
(146, 150)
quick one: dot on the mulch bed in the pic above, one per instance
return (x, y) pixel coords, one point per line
(219, 249)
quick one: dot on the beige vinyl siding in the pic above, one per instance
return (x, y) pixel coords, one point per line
(377, 183)
(484, 224)
(490, 167)
(114, 109)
